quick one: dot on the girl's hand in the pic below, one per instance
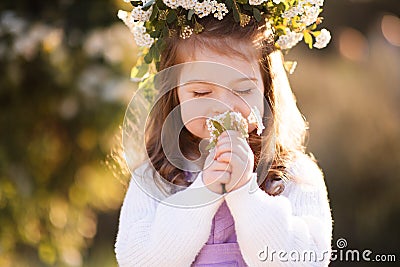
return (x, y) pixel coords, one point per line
(216, 173)
(232, 149)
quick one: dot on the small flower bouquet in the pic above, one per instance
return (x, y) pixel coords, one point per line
(231, 120)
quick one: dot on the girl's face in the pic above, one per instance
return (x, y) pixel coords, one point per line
(212, 83)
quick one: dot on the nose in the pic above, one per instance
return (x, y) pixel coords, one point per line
(227, 100)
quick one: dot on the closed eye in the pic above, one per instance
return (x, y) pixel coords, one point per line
(244, 92)
(198, 94)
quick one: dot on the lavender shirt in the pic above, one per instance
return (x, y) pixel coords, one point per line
(221, 248)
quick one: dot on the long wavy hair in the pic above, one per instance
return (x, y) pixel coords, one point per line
(289, 126)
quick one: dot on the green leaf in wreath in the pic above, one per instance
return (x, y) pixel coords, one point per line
(148, 5)
(229, 4)
(257, 14)
(136, 3)
(148, 58)
(190, 14)
(308, 39)
(139, 71)
(171, 16)
(153, 13)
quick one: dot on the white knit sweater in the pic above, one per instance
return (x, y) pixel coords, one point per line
(153, 231)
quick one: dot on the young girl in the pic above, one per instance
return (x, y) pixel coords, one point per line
(271, 214)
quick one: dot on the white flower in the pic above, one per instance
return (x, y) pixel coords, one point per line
(256, 2)
(323, 39)
(277, 1)
(138, 14)
(310, 15)
(255, 117)
(294, 11)
(123, 15)
(289, 40)
(207, 7)
(221, 11)
(315, 2)
(229, 120)
(139, 31)
(171, 3)
(141, 37)
(203, 9)
(307, 9)
(187, 4)
(186, 32)
(213, 6)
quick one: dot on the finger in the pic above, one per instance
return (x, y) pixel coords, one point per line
(235, 160)
(237, 149)
(235, 138)
(220, 166)
(210, 157)
(221, 177)
(234, 148)
(230, 139)
(230, 158)
(237, 181)
(228, 147)
(230, 133)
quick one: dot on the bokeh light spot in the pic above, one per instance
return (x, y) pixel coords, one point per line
(353, 45)
(391, 29)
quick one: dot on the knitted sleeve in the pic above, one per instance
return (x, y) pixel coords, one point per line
(154, 232)
(293, 228)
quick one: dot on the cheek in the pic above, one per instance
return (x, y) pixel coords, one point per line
(255, 100)
(194, 115)
(196, 127)
(260, 101)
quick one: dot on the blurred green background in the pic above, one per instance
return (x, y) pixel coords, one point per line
(64, 87)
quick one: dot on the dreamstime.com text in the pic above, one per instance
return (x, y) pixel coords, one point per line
(341, 253)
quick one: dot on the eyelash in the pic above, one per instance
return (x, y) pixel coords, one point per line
(244, 92)
(197, 94)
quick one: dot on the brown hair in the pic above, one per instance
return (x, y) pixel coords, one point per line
(221, 36)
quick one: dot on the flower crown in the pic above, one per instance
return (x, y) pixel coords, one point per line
(151, 21)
